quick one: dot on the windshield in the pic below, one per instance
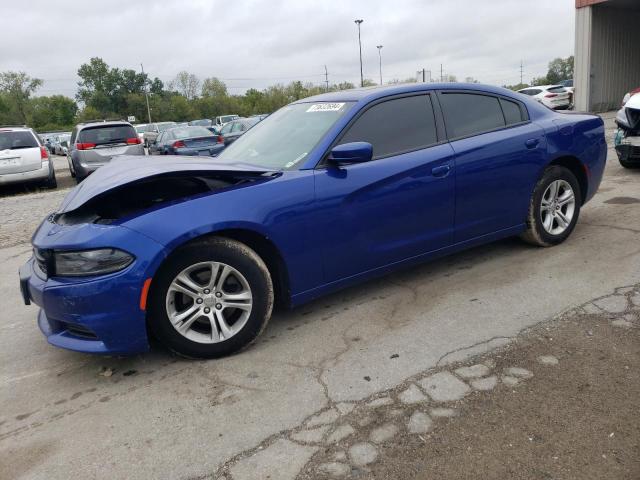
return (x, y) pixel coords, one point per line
(228, 118)
(283, 140)
(17, 139)
(140, 128)
(190, 132)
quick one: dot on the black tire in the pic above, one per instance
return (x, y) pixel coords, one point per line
(79, 178)
(51, 182)
(536, 234)
(218, 249)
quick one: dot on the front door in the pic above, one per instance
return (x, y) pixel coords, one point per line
(398, 205)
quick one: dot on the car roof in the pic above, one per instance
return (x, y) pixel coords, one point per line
(373, 93)
(107, 123)
(14, 128)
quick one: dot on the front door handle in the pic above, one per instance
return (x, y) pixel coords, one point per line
(441, 171)
(532, 143)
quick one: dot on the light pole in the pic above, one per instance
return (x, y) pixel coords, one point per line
(146, 95)
(379, 47)
(358, 22)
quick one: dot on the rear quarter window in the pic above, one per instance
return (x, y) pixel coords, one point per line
(556, 90)
(513, 113)
(106, 134)
(467, 114)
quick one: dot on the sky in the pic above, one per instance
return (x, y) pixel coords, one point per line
(254, 44)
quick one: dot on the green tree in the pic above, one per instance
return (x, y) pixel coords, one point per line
(17, 88)
(106, 89)
(560, 69)
(368, 83)
(213, 87)
(186, 84)
(56, 112)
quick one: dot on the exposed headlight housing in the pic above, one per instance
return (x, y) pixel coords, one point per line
(88, 262)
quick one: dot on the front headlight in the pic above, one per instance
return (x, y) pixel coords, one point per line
(90, 262)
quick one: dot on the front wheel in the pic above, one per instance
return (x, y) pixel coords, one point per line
(554, 207)
(210, 299)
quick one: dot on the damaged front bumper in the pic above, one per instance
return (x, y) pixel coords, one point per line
(98, 314)
(628, 148)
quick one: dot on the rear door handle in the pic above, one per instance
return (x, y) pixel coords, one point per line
(532, 143)
(441, 171)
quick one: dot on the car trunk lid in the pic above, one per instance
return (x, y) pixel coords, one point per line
(20, 160)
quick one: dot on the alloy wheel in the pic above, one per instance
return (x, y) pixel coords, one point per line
(209, 302)
(557, 207)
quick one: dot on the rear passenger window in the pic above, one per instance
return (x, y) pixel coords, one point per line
(468, 114)
(512, 112)
(396, 126)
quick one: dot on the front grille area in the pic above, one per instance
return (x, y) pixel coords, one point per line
(629, 153)
(80, 331)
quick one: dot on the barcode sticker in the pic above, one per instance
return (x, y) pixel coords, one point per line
(325, 107)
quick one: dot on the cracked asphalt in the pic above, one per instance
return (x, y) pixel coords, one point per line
(67, 415)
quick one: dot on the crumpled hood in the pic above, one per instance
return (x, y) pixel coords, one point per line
(129, 168)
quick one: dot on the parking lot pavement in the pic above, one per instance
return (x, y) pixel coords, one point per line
(67, 415)
(23, 206)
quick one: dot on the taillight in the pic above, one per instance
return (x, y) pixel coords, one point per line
(220, 139)
(134, 141)
(179, 144)
(85, 146)
(44, 155)
(550, 95)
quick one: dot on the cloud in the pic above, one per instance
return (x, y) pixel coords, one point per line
(257, 43)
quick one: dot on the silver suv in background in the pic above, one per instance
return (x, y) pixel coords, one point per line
(23, 158)
(96, 143)
(152, 131)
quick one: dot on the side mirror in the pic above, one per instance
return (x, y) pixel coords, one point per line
(354, 152)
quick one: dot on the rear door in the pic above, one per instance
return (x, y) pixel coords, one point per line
(19, 151)
(498, 154)
(397, 206)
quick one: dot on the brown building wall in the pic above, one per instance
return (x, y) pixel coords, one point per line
(586, 3)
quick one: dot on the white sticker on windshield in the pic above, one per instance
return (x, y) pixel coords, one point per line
(325, 107)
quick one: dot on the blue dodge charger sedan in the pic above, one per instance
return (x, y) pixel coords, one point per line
(326, 192)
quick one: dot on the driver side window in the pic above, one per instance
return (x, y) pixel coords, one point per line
(396, 126)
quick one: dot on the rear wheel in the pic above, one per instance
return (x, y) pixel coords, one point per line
(554, 207)
(210, 299)
(51, 181)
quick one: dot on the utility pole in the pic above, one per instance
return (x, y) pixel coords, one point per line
(358, 22)
(521, 72)
(146, 95)
(379, 47)
(441, 74)
(326, 77)
(424, 75)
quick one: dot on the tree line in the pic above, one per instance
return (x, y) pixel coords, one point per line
(559, 69)
(106, 92)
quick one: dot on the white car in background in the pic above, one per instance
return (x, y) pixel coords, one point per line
(23, 158)
(556, 97)
(140, 129)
